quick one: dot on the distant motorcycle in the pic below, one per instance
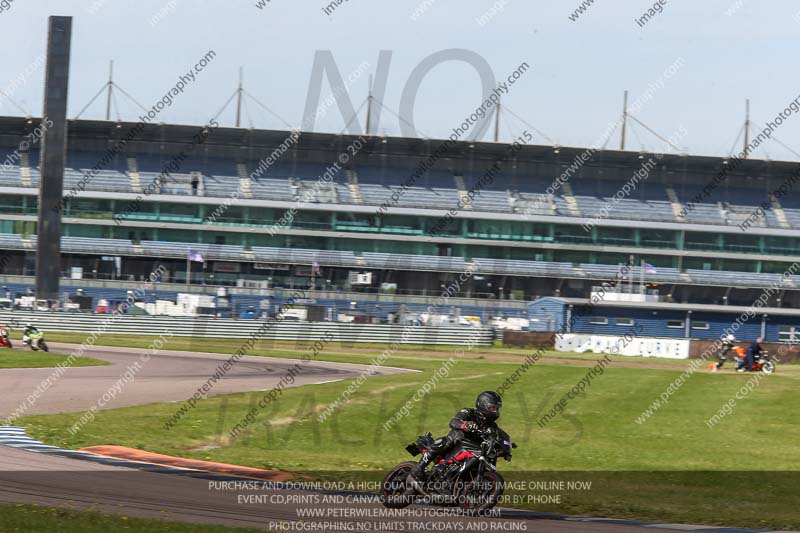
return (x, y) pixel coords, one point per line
(36, 341)
(5, 340)
(763, 363)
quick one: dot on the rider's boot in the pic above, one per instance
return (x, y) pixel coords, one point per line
(442, 445)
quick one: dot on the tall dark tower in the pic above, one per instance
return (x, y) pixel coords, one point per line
(53, 154)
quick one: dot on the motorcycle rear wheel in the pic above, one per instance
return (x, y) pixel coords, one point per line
(395, 490)
(475, 500)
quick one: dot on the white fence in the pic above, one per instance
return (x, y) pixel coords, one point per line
(644, 346)
(243, 328)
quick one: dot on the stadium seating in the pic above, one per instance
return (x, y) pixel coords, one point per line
(437, 189)
(371, 260)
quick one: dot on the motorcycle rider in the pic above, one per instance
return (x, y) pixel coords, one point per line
(28, 332)
(467, 425)
(753, 351)
(727, 345)
(4, 339)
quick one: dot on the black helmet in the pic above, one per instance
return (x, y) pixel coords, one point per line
(488, 404)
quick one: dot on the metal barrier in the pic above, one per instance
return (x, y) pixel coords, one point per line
(243, 328)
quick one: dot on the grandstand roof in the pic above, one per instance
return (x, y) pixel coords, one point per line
(229, 142)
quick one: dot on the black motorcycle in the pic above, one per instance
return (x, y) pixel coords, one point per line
(466, 477)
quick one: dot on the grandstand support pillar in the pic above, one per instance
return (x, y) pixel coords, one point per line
(746, 126)
(110, 89)
(568, 316)
(367, 128)
(53, 152)
(727, 297)
(497, 122)
(624, 120)
(239, 91)
(687, 333)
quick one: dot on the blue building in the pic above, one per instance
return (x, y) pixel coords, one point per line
(657, 319)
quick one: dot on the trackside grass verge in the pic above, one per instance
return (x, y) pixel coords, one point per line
(363, 353)
(700, 474)
(38, 518)
(30, 359)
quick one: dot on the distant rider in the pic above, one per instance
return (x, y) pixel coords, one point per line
(727, 345)
(753, 351)
(467, 425)
(29, 330)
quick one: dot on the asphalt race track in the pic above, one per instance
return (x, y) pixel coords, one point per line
(55, 480)
(28, 477)
(168, 376)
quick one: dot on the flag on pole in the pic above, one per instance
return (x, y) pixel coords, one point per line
(195, 257)
(649, 269)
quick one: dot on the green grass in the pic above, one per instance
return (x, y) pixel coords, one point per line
(596, 439)
(31, 359)
(354, 352)
(28, 518)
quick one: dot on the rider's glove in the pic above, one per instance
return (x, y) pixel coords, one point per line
(470, 427)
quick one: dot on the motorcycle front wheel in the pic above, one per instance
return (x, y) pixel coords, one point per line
(43, 346)
(768, 367)
(476, 496)
(395, 490)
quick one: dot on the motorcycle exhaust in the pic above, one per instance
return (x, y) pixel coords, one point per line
(417, 486)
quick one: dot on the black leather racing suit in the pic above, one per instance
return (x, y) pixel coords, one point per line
(460, 424)
(465, 428)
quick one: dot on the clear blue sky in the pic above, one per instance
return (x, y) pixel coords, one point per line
(572, 92)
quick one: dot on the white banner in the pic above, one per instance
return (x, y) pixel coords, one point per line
(641, 346)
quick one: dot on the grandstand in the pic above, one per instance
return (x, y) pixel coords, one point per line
(521, 241)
